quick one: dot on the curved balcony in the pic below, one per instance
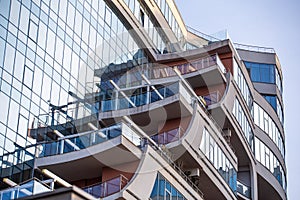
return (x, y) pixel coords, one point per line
(87, 153)
(168, 136)
(149, 108)
(154, 161)
(84, 140)
(184, 148)
(150, 96)
(107, 188)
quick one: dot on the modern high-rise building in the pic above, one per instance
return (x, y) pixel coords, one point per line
(119, 99)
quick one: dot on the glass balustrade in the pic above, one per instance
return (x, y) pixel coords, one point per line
(31, 187)
(109, 187)
(168, 136)
(141, 99)
(133, 77)
(190, 67)
(212, 98)
(85, 140)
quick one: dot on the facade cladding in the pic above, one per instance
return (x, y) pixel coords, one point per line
(101, 96)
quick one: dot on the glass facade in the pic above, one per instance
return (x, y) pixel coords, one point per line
(169, 16)
(266, 123)
(242, 84)
(259, 72)
(272, 99)
(274, 102)
(49, 49)
(278, 80)
(145, 20)
(241, 117)
(217, 157)
(264, 73)
(267, 158)
(163, 189)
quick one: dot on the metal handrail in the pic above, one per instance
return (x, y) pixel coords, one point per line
(58, 147)
(122, 181)
(25, 187)
(166, 134)
(254, 48)
(213, 101)
(202, 35)
(179, 171)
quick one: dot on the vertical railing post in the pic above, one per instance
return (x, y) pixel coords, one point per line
(148, 95)
(105, 189)
(116, 100)
(61, 147)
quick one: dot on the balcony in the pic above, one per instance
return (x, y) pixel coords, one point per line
(84, 140)
(243, 189)
(88, 153)
(165, 95)
(206, 66)
(139, 99)
(212, 98)
(31, 187)
(107, 188)
(168, 136)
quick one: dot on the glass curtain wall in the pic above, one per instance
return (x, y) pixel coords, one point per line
(48, 48)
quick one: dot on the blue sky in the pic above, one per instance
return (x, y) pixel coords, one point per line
(269, 23)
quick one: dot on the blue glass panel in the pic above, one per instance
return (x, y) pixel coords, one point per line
(261, 72)
(4, 8)
(160, 187)
(272, 101)
(255, 74)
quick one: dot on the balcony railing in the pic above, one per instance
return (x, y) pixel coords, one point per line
(212, 98)
(168, 136)
(167, 158)
(84, 140)
(202, 35)
(133, 77)
(145, 97)
(109, 187)
(243, 189)
(190, 67)
(254, 48)
(31, 187)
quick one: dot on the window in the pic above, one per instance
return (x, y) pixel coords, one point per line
(4, 107)
(216, 156)
(265, 122)
(163, 189)
(241, 117)
(272, 100)
(33, 30)
(142, 17)
(242, 84)
(4, 8)
(267, 158)
(259, 72)
(28, 77)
